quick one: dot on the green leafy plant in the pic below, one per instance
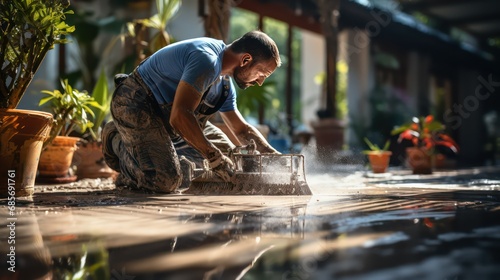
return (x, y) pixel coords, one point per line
(101, 95)
(91, 28)
(427, 133)
(166, 10)
(374, 147)
(249, 99)
(158, 23)
(71, 109)
(29, 29)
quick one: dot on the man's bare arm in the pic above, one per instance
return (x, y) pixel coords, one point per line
(246, 132)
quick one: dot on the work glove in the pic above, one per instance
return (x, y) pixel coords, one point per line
(222, 166)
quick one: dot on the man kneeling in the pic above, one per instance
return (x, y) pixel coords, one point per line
(161, 110)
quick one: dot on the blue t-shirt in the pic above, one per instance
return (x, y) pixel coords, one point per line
(197, 62)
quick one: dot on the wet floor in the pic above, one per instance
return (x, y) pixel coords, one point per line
(354, 226)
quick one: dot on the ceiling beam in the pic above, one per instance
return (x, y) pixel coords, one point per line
(428, 4)
(427, 7)
(283, 12)
(495, 15)
(489, 34)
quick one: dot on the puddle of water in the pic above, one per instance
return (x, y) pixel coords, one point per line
(432, 237)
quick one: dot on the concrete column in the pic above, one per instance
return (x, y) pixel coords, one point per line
(313, 63)
(186, 24)
(418, 82)
(356, 52)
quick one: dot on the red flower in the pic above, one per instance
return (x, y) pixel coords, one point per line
(414, 141)
(447, 141)
(425, 132)
(427, 143)
(407, 134)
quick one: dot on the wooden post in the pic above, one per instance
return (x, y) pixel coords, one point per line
(216, 23)
(61, 67)
(289, 87)
(329, 10)
(261, 113)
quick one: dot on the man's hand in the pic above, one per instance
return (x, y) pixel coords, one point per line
(223, 167)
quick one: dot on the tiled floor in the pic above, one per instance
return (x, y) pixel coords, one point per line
(356, 225)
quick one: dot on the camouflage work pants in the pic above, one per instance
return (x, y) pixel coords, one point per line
(148, 156)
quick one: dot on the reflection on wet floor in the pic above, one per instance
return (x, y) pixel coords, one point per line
(377, 229)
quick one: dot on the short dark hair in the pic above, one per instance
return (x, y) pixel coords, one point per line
(259, 45)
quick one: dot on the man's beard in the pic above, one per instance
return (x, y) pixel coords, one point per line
(238, 73)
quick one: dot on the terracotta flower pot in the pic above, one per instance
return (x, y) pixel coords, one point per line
(439, 161)
(56, 159)
(379, 160)
(329, 135)
(419, 160)
(22, 133)
(89, 162)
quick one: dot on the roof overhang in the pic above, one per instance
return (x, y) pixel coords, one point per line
(480, 18)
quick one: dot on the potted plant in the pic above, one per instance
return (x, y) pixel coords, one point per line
(88, 158)
(329, 127)
(139, 30)
(425, 134)
(29, 29)
(378, 157)
(71, 109)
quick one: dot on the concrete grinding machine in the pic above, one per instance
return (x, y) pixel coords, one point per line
(255, 174)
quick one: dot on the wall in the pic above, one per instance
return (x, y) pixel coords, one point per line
(186, 24)
(45, 79)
